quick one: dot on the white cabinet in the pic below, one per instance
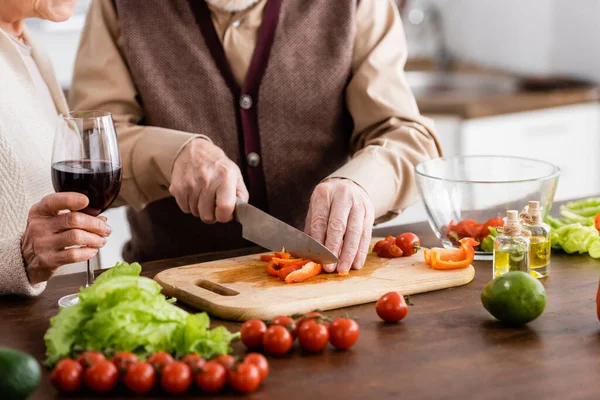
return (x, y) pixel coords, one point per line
(568, 137)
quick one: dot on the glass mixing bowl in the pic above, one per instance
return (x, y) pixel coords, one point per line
(478, 188)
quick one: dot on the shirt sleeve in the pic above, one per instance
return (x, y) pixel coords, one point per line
(390, 136)
(13, 276)
(102, 80)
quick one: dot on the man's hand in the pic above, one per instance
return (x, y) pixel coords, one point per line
(49, 237)
(341, 217)
(205, 182)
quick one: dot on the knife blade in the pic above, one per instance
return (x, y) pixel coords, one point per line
(273, 234)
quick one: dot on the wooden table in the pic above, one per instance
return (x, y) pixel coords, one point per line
(448, 347)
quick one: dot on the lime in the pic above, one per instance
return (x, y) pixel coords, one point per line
(515, 298)
(19, 374)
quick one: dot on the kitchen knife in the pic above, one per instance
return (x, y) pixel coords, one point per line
(273, 234)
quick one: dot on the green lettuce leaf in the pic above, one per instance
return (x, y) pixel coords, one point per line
(123, 311)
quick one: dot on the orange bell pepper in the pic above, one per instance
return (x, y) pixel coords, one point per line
(272, 269)
(452, 258)
(282, 254)
(285, 271)
(281, 262)
(266, 257)
(307, 271)
(597, 222)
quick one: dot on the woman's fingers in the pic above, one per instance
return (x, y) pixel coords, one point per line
(365, 240)
(352, 238)
(77, 220)
(53, 203)
(70, 256)
(76, 237)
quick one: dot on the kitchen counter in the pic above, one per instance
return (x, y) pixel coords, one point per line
(448, 346)
(535, 93)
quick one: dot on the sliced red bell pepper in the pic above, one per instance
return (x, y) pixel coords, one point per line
(285, 271)
(308, 270)
(490, 223)
(266, 257)
(272, 269)
(281, 262)
(597, 222)
(282, 254)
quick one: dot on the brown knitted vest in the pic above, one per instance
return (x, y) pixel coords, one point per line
(290, 111)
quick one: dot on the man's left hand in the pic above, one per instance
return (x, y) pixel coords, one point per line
(341, 217)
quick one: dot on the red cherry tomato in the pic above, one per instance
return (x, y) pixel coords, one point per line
(140, 377)
(409, 243)
(212, 377)
(67, 375)
(390, 251)
(277, 340)
(244, 378)
(176, 377)
(89, 358)
(260, 362)
(160, 359)
(313, 336)
(313, 316)
(194, 361)
(391, 307)
(286, 322)
(343, 333)
(226, 360)
(102, 376)
(252, 333)
(122, 359)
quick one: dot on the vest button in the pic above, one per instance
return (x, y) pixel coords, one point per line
(246, 102)
(253, 159)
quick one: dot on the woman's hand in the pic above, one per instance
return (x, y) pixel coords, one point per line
(205, 182)
(341, 217)
(48, 236)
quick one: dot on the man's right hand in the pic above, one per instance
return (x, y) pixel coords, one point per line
(205, 182)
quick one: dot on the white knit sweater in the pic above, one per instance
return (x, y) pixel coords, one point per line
(26, 135)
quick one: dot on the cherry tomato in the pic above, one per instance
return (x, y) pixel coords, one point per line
(212, 377)
(89, 358)
(67, 375)
(409, 243)
(194, 361)
(313, 316)
(101, 377)
(260, 362)
(122, 359)
(277, 340)
(390, 251)
(343, 333)
(391, 307)
(140, 377)
(244, 378)
(226, 360)
(252, 333)
(176, 377)
(379, 245)
(313, 336)
(159, 360)
(286, 322)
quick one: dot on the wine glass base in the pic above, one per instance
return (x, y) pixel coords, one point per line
(69, 300)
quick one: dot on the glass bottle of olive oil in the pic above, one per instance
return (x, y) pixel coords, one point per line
(540, 240)
(511, 248)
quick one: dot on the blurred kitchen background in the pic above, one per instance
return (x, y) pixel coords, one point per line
(507, 77)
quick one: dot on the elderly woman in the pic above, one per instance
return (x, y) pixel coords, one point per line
(36, 236)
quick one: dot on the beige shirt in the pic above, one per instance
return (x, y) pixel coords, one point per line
(390, 136)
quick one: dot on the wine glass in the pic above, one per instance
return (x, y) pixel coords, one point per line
(85, 159)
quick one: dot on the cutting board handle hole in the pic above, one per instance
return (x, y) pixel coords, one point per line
(216, 288)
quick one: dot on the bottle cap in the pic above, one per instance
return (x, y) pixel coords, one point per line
(534, 206)
(512, 216)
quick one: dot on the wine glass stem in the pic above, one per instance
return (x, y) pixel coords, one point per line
(89, 276)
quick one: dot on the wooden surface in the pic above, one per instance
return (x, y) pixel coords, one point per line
(240, 288)
(558, 92)
(448, 347)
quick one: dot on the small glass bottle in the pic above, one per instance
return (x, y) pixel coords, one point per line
(539, 255)
(511, 248)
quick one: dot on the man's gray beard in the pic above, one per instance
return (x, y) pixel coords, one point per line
(232, 5)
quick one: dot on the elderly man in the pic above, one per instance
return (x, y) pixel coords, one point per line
(299, 106)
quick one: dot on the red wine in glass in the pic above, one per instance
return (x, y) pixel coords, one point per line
(100, 181)
(85, 159)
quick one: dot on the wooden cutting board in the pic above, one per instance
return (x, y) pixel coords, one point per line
(240, 289)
